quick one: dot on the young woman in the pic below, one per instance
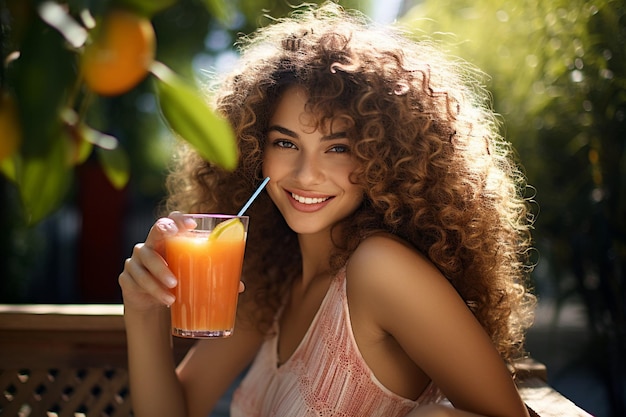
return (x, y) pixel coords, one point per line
(386, 261)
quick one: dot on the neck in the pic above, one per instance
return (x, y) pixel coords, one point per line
(316, 250)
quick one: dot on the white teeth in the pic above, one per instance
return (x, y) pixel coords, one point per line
(308, 200)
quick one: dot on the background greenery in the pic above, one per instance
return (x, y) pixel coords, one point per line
(556, 70)
(558, 78)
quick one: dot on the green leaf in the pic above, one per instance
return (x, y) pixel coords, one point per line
(41, 77)
(147, 8)
(189, 116)
(44, 181)
(7, 168)
(81, 138)
(116, 165)
(82, 151)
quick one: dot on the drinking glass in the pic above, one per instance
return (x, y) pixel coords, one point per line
(207, 262)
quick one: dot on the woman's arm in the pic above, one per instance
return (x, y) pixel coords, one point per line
(194, 388)
(154, 386)
(412, 301)
(145, 283)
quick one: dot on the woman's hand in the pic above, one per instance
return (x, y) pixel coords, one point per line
(146, 280)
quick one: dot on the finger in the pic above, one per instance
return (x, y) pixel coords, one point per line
(154, 265)
(182, 221)
(242, 286)
(161, 230)
(138, 277)
(166, 227)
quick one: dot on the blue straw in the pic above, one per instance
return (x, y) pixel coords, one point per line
(256, 193)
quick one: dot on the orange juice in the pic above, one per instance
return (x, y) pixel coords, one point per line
(208, 272)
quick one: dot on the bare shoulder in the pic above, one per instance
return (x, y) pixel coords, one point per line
(386, 263)
(398, 292)
(386, 246)
(393, 285)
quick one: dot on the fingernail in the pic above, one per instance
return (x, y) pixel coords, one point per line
(191, 223)
(165, 226)
(171, 282)
(169, 299)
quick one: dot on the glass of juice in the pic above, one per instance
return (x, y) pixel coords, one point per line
(207, 262)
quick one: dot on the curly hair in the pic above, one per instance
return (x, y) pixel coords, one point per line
(432, 164)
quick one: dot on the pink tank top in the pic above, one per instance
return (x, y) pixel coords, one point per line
(326, 375)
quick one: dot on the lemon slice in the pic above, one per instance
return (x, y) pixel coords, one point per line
(228, 230)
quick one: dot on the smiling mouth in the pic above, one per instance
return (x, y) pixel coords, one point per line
(309, 200)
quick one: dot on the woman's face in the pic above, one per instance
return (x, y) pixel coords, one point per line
(309, 169)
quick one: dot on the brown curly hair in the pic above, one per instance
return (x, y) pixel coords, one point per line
(434, 169)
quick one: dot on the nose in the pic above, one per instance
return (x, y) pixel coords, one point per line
(309, 170)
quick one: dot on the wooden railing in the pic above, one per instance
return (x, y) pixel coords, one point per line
(70, 361)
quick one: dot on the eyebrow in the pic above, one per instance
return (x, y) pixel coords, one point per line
(291, 133)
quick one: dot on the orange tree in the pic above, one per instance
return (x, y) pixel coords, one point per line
(61, 59)
(61, 125)
(68, 146)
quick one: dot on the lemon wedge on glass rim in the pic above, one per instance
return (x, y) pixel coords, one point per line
(231, 229)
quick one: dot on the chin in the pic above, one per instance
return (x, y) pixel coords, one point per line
(304, 227)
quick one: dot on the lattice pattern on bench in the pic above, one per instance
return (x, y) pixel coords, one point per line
(65, 392)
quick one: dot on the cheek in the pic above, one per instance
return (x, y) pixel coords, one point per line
(276, 165)
(271, 191)
(357, 192)
(345, 172)
(358, 198)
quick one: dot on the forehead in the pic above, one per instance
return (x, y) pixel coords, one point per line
(293, 110)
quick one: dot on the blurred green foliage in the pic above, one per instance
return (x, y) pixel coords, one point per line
(60, 120)
(557, 71)
(558, 78)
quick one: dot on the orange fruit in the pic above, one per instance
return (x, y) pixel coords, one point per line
(120, 55)
(10, 132)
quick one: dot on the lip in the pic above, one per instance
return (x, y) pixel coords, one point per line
(307, 208)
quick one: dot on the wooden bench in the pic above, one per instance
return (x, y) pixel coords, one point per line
(70, 361)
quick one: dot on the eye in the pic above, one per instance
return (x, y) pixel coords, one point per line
(283, 143)
(339, 149)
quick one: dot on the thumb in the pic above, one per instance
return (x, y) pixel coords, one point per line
(166, 227)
